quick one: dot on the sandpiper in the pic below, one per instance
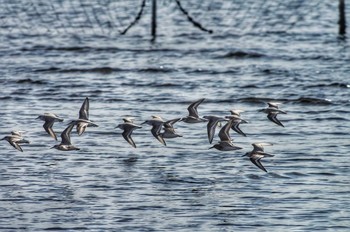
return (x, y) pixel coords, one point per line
(272, 110)
(15, 139)
(50, 119)
(225, 146)
(169, 130)
(236, 121)
(193, 116)
(258, 153)
(212, 124)
(156, 122)
(83, 120)
(66, 144)
(225, 143)
(128, 126)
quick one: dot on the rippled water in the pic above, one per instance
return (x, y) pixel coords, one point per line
(252, 57)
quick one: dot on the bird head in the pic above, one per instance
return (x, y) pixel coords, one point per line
(246, 154)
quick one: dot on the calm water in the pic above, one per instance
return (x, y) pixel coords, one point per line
(53, 56)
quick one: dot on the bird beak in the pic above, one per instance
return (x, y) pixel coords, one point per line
(144, 122)
(210, 147)
(52, 147)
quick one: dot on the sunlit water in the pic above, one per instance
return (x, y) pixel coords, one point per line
(108, 185)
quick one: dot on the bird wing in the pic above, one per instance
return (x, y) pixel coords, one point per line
(15, 145)
(81, 126)
(129, 120)
(155, 132)
(84, 110)
(211, 126)
(235, 127)
(273, 104)
(224, 133)
(256, 161)
(127, 136)
(170, 123)
(258, 147)
(273, 117)
(48, 128)
(236, 112)
(192, 109)
(66, 135)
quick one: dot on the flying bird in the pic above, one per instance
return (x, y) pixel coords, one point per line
(156, 122)
(83, 120)
(213, 122)
(128, 127)
(66, 144)
(225, 143)
(169, 130)
(50, 119)
(193, 116)
(272, 110)
(257, 154)
(15, 139)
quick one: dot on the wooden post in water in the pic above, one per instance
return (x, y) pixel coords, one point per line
(342, 20)
(154, 20)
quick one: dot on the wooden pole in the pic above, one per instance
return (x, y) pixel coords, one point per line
(154, 20)
(342, 20)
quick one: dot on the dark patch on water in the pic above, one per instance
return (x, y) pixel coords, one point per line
(313, 101)
(242, 54)
(57, 228)
(30, 81)
(335, 85)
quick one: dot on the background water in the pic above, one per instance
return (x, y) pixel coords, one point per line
(56, 53)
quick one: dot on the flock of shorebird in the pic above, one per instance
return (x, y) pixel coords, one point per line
(161, 129)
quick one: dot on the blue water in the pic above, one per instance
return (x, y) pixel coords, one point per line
(55, 54)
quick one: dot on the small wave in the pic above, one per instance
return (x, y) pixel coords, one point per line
(64, 228)
(296, 174)
(30, 81)
(83, 49)
(303, 100)
(160, 69)
(293, 160)
(322, 173)
(242, 54)
(5, 98)
(261, 100)
(314, 101)
(165, 85)
(250, 86)
(335, 85)
(102, 70)
(153, 84)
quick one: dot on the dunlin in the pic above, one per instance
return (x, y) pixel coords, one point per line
(83, 120)
(169, 130)
(225, 143)
(156, 122)
(236, 121)
(128, 126)
(50, 119)
(66, 144)
(15, 139)
(193, 116)
(272, 110)
(212, 124)
(258, 153)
